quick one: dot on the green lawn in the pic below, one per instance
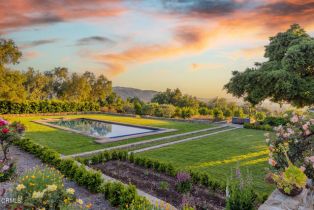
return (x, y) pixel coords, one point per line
(218, 154)
(71, 143)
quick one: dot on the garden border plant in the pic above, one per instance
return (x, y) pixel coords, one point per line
(116, 193)
(158, 166)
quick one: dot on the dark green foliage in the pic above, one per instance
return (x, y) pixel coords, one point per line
(286, 77)
(275, 121)
(258, 127)
(32, 107)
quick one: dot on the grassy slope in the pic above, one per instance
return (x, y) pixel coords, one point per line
(217, 154)
(70, 143)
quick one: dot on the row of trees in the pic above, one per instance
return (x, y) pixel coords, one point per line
(59, 83)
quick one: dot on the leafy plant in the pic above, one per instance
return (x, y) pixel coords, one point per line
(184, 182)
(293, 178)
(240, 194)
(163, 185)
(43, 188)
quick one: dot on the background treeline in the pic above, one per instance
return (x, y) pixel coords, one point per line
(59, 90)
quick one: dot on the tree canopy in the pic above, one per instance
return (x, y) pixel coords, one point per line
(57, 83)
(287, 75)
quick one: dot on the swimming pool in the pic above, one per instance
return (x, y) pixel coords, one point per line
(99, 129)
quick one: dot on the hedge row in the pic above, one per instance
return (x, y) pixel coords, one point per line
(31, 107)
(116, 193)
(166, 168)
(258, 127)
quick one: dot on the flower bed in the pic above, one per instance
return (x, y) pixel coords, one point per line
(163, 186)
(124, 197)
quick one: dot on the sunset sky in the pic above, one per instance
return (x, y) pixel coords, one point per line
(150, 44)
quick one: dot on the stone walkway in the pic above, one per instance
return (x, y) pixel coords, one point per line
(181, 141)
(26, 161)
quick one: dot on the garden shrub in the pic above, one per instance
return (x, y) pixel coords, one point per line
(293, 142)
(240, 194)
(184, 183)
(47, 106)
(43, 189)
(258, 127)
(275, 121)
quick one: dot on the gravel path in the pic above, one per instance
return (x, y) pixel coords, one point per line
(27, 161)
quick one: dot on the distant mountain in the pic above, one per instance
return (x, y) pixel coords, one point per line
(126, 92)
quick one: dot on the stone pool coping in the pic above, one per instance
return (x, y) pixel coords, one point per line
(103, 140)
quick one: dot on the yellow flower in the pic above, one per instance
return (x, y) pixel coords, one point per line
(89, 205)
(51, 188)
(42, 209)
(20, 187)
(31, 184)
(33, 177)
(79, 201)
(37, 194)
(66, 201)
(70, 191)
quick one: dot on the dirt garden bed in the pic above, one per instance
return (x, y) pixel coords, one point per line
(154, 183)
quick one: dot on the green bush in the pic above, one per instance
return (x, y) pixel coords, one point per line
(240, 193)
(257, 126)
(33, 107)
(275, 121)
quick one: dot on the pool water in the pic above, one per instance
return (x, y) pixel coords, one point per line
(101, 129)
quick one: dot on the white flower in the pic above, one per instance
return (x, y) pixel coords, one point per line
(70, 191)
(51, 188)
(20, 187)
(294, 119)
(37, 194)
(79, 201)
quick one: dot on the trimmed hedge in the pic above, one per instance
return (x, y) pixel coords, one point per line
(116, 193)
(166, 168)
(46, 106)
(258, 127)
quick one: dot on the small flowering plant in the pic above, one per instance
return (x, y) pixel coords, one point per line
(43, 189)
(184, 182)
(296, 139)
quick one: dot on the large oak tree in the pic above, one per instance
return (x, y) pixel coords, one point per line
(287, 76)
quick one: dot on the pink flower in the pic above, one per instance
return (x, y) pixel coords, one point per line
(271, 148)
(302, 168)
(312, 121)
(272, 162)
(311, 159)
(5, 130)
(307, 132)
(5, 167)
(3, 122)
(305, 127)
(294, 119)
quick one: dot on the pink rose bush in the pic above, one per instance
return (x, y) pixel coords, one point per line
(8, 134)
(296, 139)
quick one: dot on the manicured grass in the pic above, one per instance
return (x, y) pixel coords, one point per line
(217, 155)
(70, 143)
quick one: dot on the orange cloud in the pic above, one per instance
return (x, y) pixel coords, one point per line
(187, 39)
(20, 13)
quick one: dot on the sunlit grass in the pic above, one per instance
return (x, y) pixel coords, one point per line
(71, 143)
(219, 154)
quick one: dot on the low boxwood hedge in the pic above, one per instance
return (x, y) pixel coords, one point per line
(118, 194)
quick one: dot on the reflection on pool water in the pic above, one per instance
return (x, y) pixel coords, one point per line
(101, 129)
